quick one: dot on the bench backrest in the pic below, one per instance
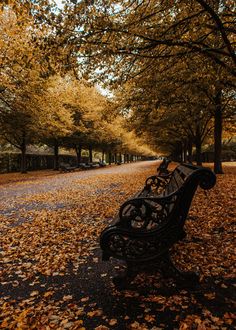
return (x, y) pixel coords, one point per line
(172, 205)
(186, 173)
(183, 184)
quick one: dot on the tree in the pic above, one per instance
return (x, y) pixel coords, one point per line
(19, 125)
(29, 110)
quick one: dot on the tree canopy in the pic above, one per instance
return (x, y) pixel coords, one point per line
(170, 67)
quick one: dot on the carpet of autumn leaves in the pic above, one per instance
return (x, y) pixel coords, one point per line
(52, 276)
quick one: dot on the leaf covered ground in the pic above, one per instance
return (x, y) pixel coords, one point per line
(52, 276)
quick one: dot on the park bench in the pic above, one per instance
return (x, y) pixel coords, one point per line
(89, 166)
(102, 163)
(84, 166)
(65, 167)
(94, 165)
(149, 224)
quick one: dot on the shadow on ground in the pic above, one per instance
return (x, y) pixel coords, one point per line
(150, 303)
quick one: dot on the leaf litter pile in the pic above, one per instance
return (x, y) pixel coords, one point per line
(52, 276)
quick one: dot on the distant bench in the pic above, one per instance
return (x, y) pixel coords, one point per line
(150, 223)
(88, 166)
(65, 167)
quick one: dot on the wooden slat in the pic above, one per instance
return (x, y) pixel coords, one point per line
(184, 171)
(178, 179)
(171, 186)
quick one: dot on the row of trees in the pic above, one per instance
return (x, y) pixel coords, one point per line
(170, 66)
(44, 102)
(173, 60)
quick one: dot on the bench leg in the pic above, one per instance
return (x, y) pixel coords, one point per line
(164, 264)
(170, 269)
(123, 280)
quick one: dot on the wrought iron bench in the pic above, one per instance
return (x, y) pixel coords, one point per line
(65, 167)
(149, 224)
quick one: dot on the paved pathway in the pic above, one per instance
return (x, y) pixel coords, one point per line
(64, 180)
(14, 196)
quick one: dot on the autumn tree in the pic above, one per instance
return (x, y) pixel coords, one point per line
(89, 117)
(20, 81)
(28, 107)
(56, 121)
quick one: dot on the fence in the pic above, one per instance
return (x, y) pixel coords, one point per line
(10, 162)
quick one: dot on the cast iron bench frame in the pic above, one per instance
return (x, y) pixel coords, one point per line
(149, 224)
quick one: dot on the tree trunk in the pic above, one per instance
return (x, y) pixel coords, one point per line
(103, 155)
(23, 156)
(56, 156)
(198, 144)
(90, 154)
(190, 149)
(109, 156)
(198, 152)
(184, 146)
(218, 134)
(78, 150)
(180, 152)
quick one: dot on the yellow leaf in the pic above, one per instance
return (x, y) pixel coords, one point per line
(84, 299)
(113, 322)
(48, 293)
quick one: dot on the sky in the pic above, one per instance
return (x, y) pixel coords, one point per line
(102, 90)
(59, 3)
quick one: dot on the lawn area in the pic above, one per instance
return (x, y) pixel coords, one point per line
(52, 275)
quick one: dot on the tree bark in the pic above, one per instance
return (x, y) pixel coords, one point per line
(109, 156)
(56, 156)
(198, 144)
(218, 134)
(198, 152)
(90, 154)
(78, 150)
(190, 150)
(23, 156)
